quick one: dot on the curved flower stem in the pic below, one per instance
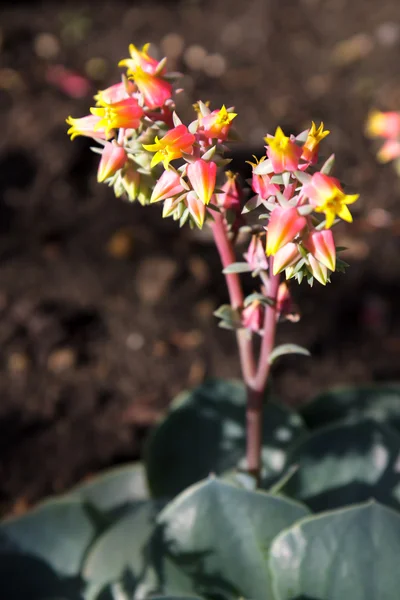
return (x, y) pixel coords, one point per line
(256, 395)
(227, 256)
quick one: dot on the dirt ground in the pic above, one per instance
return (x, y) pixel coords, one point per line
(105, 309)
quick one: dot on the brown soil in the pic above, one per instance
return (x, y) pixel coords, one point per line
(105, 309)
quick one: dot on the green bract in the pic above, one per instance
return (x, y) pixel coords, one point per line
(326, 526)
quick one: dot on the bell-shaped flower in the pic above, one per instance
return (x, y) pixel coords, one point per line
(255, 255)
(285, 307)
(261, 183)
(216, 124)
(125, 114)
(317, 269)
(113, 158)
(283, 152)
(140, 58)
(327, 196)
(286, 256)
(253, 316)
(322, 246)
(171, 146)
(284, 224)
(115, 93)
(383, 124)
(202, 175)
(87, 126)
(196, 208)
(231, 197)
(131, 181)
(155, 90)
(167, 186)
(311, 145)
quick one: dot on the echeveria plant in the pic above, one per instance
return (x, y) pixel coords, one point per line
(238, 497)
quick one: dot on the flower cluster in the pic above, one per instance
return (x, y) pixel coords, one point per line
(299, 242)
(148, 154)
(386, 125)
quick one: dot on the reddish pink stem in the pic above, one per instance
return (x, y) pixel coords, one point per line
(254, 378)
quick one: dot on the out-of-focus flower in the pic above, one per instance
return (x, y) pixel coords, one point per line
(255, 254)
(389, 151)
(171, 146)
(140, 58)
(327, 196)
(217, 124)
(284, 224)
(125, 114)
(283, 152)
(253, 316)
(285, 307)
(202, 175)
(196, 208)
(322, 246)
(87, 126)
(113, 158)
(286, 256)
(383, 124)
(311, 145)
(167, 186)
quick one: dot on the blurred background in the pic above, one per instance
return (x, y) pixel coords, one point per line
(106, 309)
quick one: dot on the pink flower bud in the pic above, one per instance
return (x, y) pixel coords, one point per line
(202, 175)
(284, 224)
(232, 196)
(253, 316)
(317, 269)
(286, 256)
(285, 307)
(255, 255)
(131, 181)
(196, 208)
(113, 158)
(322, 246)
(261, 184)
(167, 186)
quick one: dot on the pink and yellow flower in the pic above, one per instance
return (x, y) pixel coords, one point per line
(217, 124)
(285, 257)
(113, 158)
(255, 255)
(155, 91)
(87, 126)
(284, 224)
(175, 142)
(115, 93)
(140, 58)
(327, 196)
(383, 124)
(167, 186)
(322, 246)
(283, 152)
(389, 151)
(202, 175)
(197, 208)
(317, 269)
(125, 114)
(311, 145)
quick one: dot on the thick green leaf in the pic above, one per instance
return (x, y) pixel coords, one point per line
(204, 433)
(121, 547)
(346, 463)
(349, 554)
(114, 489)
(220, 536)
(58, 532)
(380, 402)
